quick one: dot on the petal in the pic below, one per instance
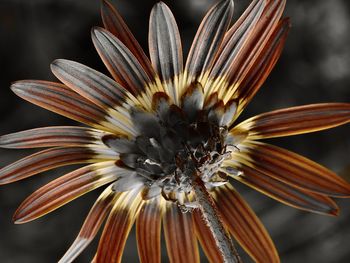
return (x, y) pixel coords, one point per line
(235, 39)
(284, 193)
(258, 55)
(192, 100)
(293, 169)
(208, 40)
(145, 122)
(165, 48)
(148, 230)
(121, 63)
(89, 83)
(117, 228)
(206, 238)
(65, 189)
(60, 99)
(51, 136)
(120, 144)
(52, 158)
(296, 120)
(115, 24)
(91, 225)
(239, 27)
(129, 182)
(179, 234)
(100, 90)
(245, 226)
(263, 65)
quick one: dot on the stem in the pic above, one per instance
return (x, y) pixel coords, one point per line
(214, 222)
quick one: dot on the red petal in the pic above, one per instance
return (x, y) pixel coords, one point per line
(91, 84)
(91, 225)
(148, 230)
(117, 228)
(296, 120)
(206, 238)
(115, 24)
(179, 234)
(254, 76)
(44, 161)
(285, 193)
(244, 225)
(208, 40)
(293, 169)
(50, 137)
(60, 99)
(65, 189)
(119, 60)
(235, 39)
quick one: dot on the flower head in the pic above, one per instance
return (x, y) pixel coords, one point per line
(161, 126)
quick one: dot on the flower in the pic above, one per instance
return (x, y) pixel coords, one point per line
(160, 129)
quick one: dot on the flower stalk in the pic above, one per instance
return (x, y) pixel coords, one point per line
(213, 221)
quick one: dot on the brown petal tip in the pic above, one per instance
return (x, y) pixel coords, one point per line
(18, 218)
(334, 211)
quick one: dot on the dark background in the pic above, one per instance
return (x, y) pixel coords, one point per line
(315, 67)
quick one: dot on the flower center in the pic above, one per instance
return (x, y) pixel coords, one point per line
(173, 146)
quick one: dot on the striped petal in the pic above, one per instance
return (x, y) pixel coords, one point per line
(65, 189)
(235, 39)
(115, 24)
(52, 158)
(50, 137)
(293, 169)
(285, 193)
(179, 234)
(148, 230)
(89, 83)
(245, 226)
(117, 228)
(100, 90)
(254, 49)
(296, 120)
(60, 99)
(208, 40)
(206, 238)
(165, 48)
(91, 225)
(263, 65)
(249, 15)
(121, 63)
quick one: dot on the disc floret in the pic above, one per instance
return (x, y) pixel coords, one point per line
(174, 144)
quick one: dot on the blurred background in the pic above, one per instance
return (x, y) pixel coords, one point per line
(314, 67)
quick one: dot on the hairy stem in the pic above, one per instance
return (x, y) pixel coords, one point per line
(214, 222)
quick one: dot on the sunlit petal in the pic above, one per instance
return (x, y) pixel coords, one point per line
(91, 225)
(118, 226)
(148, 231)
(179, 234)
(208, 40)
(51, 136)
(65, 189)
(52, 158)
(115, 24)
(244, 225)
(165, 48)
(296, 120)
(285, 193)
